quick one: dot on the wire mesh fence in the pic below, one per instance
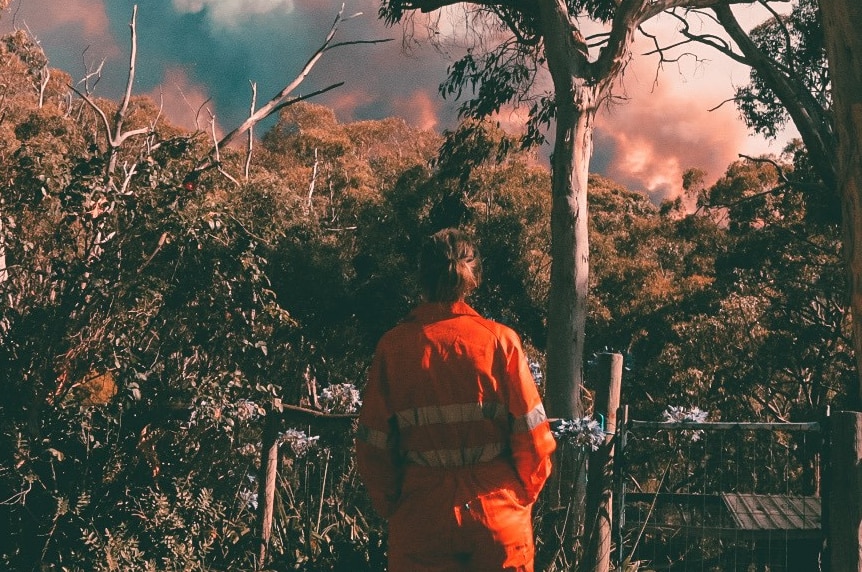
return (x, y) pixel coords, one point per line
(716, 497)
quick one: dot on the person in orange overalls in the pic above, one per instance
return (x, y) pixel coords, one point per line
(453, 443)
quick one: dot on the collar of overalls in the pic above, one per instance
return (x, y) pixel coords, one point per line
(433, 311)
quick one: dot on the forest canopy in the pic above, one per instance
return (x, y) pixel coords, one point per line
(150, 317)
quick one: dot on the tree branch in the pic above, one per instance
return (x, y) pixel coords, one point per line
(277, 102)
(808, 116)
(127, 96)
(105, 122)
(267, 109)
(250, 142)
(630, 15)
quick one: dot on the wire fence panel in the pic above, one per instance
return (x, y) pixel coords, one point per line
(716, 497)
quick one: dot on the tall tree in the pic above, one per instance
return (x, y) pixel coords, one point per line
(844, 48)
(526, 38)
(790, 80)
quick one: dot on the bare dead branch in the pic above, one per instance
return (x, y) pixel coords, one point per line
(629, 17)
(127, 179)
(45, 77)
(726, 101)
(90, 73)
(124, 105)
(105, 122)
(198, 112)
(313, 181)
(217, 156)
(716, 42)
(278, 101)
(216, 153)
(250, 130)
(356, 43)
(297, 99)
(116, 140)
(162, 240)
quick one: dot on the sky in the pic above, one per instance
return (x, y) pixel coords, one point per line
(191, 52)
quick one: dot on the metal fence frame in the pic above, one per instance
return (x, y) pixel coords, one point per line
(627, 426)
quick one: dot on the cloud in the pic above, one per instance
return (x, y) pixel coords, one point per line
(75, 38)
(87, 15)
(228, 13)
(189, 50)
(345, 102)
(183, 102)
(673, 120)
(419, 109)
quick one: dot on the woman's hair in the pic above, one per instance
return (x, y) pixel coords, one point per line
(449, 266)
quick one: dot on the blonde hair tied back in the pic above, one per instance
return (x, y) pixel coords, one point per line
(449, 266)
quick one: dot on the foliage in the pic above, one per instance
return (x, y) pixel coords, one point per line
(149, 319)
(795, 44)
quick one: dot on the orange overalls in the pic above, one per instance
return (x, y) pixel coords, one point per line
(453, 443)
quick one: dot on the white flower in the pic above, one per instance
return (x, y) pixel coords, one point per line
(536, 370)
(340, 398)
(298, 442)
(584, 432)
(684, 415)
(248, 497)
(675, 414)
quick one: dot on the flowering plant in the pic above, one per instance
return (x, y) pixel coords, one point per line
(683, 414)
(674, 414)
(584, 432)
(300, 443)
(340, 398)
(536, 371)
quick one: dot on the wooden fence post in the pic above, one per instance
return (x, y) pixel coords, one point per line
(268, 473)
(845, 492)
(600, 471)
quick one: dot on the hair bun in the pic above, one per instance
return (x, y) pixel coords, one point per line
(449, 266)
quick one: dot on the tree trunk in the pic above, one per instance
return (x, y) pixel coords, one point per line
(570, 258)
(844, 509)
(841, 20)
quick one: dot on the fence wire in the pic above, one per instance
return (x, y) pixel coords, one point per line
(715, 497)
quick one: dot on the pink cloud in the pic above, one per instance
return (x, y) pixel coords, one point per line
(44, 17)
(667, 127)
(680, 117)
(184, 103)
(419, 109)
(345, 102)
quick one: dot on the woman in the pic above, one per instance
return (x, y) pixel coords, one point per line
(453, 443)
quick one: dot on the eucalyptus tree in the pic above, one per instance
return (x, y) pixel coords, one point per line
(793, 80)
(525, 39)
(844, 48)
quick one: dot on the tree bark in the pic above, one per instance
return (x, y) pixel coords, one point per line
(841, 20)
(844, 514)
(570, 164)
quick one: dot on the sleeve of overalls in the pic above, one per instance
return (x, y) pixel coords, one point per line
(377, 442)
(531, 439)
